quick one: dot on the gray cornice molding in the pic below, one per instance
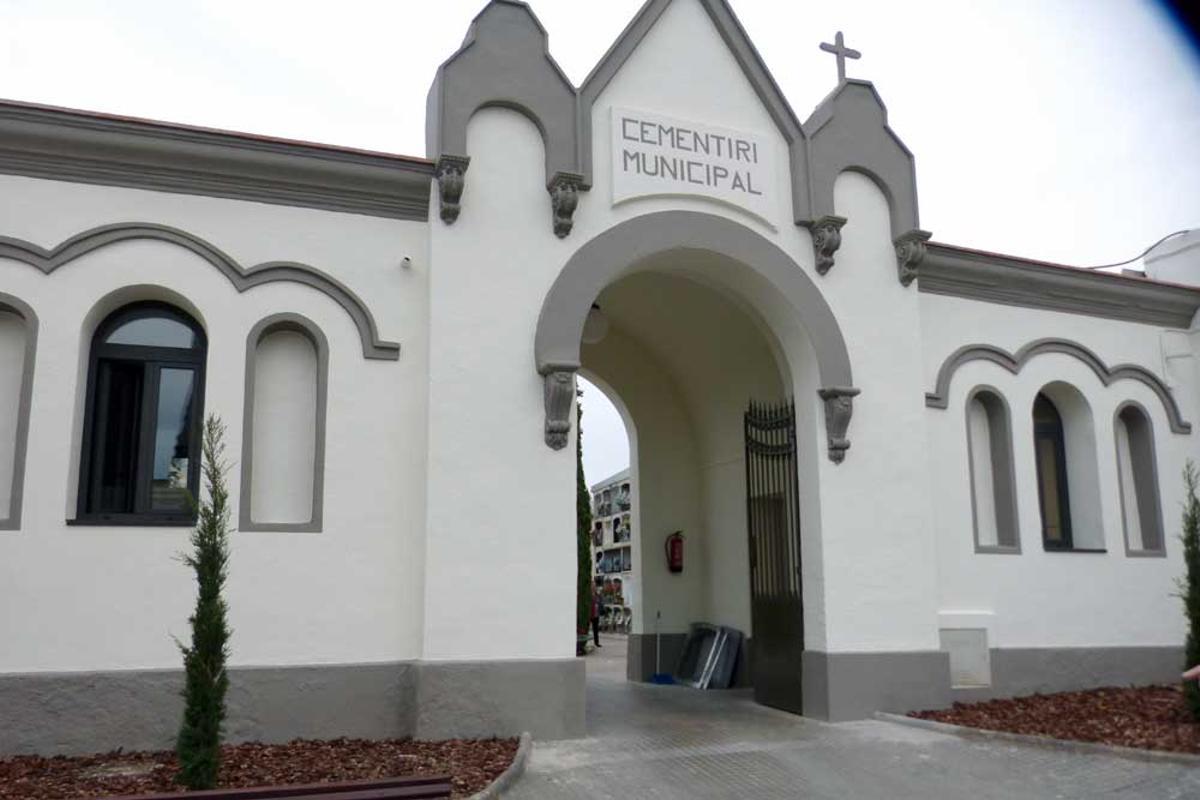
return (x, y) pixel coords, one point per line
(849, 131)
(242, 278)
(747, 57)
(61, 144)
(1013, 362)
(22, 309)
(1008, 280)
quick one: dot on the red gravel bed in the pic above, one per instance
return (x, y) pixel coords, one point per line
(1147, 717)
(472, 765)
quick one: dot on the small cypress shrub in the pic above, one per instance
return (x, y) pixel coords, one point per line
(198, 745)
(1189, 585)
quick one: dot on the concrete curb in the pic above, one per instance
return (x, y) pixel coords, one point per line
(507, 778)
(1090, 748)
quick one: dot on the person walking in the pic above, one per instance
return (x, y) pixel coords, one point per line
(597, 608)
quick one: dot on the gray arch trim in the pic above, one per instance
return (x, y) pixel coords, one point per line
(242, 278)
(608, 255)
(264, 328)
(24, 405)
(1013, 362)
(504, 61)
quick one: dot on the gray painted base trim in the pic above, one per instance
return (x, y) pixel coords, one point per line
(1024, 671)
(1042, 741)
(500, 698)
(86, 712)
(89, 712)
(510, 776)
(847, 686)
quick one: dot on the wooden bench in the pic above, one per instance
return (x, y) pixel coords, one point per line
(416, 788)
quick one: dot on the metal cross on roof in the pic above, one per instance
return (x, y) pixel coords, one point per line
(842, 52)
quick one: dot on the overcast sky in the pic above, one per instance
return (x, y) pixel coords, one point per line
(1067, 130)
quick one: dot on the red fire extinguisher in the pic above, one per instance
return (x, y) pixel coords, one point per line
(675, 552)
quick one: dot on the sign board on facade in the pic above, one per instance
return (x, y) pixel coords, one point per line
(657, 155)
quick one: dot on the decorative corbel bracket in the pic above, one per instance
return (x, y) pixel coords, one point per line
(449, 173)
(839, 406)
(558, 393)
(564, 199)
(827, 238)
(910, 251)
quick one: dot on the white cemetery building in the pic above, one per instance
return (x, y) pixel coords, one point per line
(909, 472)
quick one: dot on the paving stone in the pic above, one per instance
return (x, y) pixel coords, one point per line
(670, 742)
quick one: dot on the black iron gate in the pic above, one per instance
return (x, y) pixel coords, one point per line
(773, 514)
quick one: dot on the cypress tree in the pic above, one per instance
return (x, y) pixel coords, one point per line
(199, 743)
(583, 529)
(1190, 584)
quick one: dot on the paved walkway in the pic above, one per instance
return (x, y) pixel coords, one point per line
(657, 742)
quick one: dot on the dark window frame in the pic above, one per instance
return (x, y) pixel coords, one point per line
(1053, 432)
(153, 360)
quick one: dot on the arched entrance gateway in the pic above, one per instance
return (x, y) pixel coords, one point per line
(706, 317)
(677, 189)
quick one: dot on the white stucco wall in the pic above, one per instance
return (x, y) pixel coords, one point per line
(501, 515)
(1040, 598)
(114, 596)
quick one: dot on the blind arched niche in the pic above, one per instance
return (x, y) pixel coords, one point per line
(993, 485)
(18, 346)
(283, 441)
(1137, 476)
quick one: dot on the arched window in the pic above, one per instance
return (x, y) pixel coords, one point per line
(993, 497)
(141, 435)
(1050, 450)
(1137, 474)
(283, 439)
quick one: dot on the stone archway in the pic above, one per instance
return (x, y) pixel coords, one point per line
(618, 250)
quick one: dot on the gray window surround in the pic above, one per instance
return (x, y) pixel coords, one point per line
(299, 324)
(1003, 471)
(86, 147)
(20, 308)
(242, 278)
(1145, 466)
(939, 398)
